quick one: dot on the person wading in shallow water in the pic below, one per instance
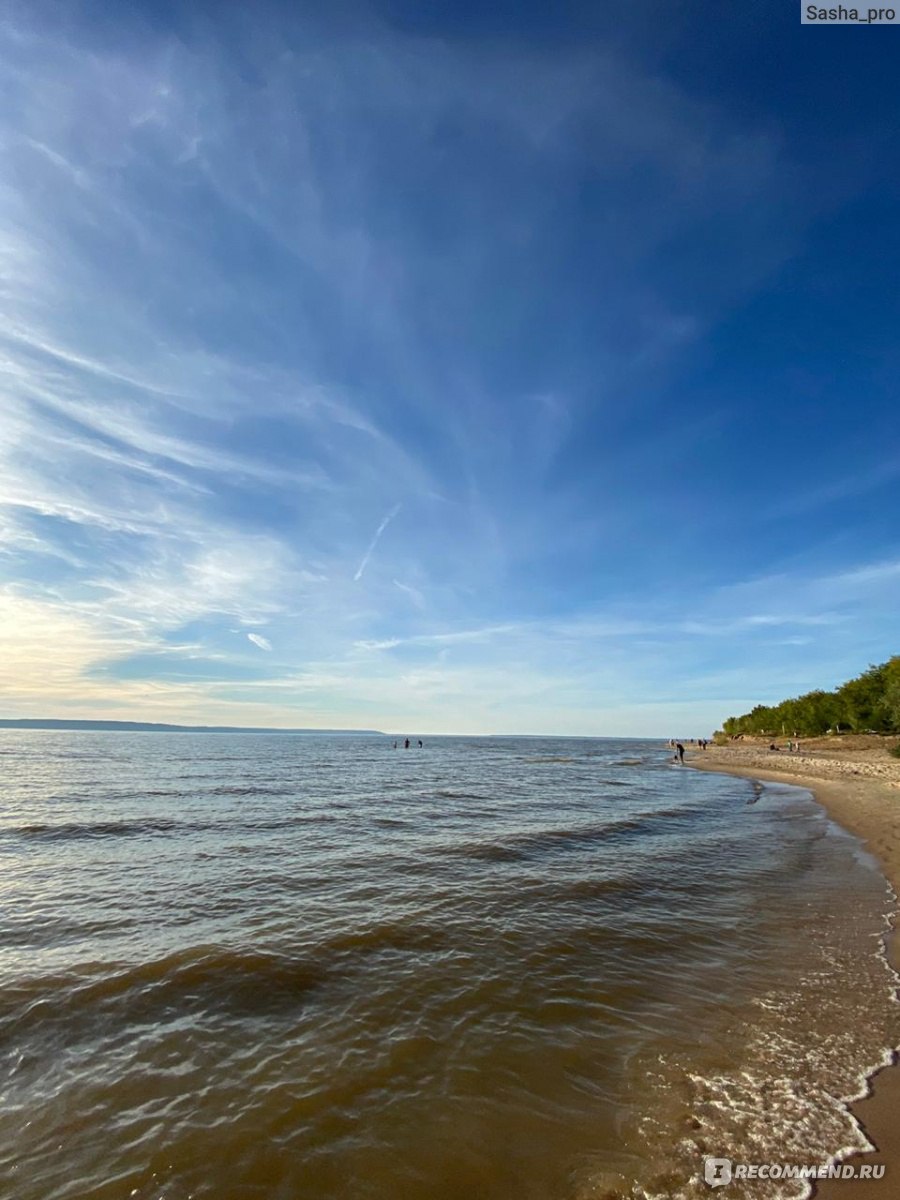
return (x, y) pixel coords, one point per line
(679, 750)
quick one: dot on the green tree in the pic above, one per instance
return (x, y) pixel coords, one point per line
(862, 701)
(892, 693)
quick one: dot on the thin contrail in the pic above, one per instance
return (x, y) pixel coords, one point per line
(374, 542)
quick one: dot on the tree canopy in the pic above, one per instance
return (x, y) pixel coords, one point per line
(870, 703)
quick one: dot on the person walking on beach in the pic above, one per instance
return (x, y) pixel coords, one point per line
(679, 750)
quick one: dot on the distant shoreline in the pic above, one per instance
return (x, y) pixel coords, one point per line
(155, 727)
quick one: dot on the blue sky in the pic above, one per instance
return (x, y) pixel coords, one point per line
(422, 368)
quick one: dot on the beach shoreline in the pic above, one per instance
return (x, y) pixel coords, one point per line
(861, 792)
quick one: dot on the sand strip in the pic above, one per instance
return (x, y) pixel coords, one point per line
(863, 797)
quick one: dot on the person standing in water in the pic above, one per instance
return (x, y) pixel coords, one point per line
(679, 750)
(406, 744)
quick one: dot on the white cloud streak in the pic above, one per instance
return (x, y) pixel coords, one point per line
(374, 542)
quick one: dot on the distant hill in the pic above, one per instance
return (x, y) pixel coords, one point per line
(153, 727)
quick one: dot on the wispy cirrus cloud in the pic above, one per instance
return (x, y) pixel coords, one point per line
(414, 594)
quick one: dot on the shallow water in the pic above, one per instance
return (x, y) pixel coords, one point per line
(310, 967)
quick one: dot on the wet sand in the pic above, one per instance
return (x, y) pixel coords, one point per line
(858, 783)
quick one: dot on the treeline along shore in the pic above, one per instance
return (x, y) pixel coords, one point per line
(870, 703)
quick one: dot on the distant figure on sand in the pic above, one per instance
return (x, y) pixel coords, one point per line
(679, 750)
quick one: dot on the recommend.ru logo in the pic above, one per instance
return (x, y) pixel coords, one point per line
(717, 1171)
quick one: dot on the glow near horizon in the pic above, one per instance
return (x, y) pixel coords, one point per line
(371, 377)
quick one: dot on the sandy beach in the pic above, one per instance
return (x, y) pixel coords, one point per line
(857, 781)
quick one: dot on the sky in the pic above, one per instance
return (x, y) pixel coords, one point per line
(445, 368)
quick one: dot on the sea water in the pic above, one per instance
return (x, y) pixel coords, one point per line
(308, 967)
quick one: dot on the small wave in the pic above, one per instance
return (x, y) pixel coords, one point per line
(202, 980)
(523, 845)
(450, 794)
(591, 889)
(154, 826)
(210, 981)
(488, 851)
(254, 789)
(100, 829)
(388, 935)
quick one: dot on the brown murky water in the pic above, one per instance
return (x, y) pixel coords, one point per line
(268, 967)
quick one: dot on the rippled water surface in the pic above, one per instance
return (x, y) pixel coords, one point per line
(274, 966)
